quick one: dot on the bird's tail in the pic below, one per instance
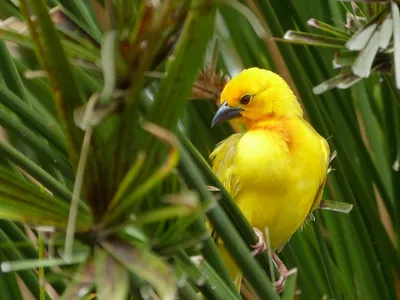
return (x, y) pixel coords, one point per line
(230, 264)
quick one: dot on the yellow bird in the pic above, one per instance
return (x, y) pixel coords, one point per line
(276, 170)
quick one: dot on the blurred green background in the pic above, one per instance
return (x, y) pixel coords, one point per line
(105, 110)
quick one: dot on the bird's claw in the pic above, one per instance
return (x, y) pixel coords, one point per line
(280, 284)
(261, 245)
(283, 273)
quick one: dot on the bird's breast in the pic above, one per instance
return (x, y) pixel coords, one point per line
(279, 173)
(263, 158)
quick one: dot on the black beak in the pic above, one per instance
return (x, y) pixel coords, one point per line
(225, 113)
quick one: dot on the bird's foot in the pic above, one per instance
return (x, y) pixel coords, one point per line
(283, 273)
(261, 245)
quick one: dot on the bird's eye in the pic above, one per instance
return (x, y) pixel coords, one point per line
(245, 99)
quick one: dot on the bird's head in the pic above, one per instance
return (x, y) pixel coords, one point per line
(254, 95)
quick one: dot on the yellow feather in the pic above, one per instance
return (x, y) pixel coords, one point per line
(277, 169)
(224, 161)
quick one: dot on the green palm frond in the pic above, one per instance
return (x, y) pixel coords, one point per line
(364, 46)
(105, 113)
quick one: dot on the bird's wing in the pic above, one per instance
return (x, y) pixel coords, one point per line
(325, 160)
(223, 162)
(223, 158)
